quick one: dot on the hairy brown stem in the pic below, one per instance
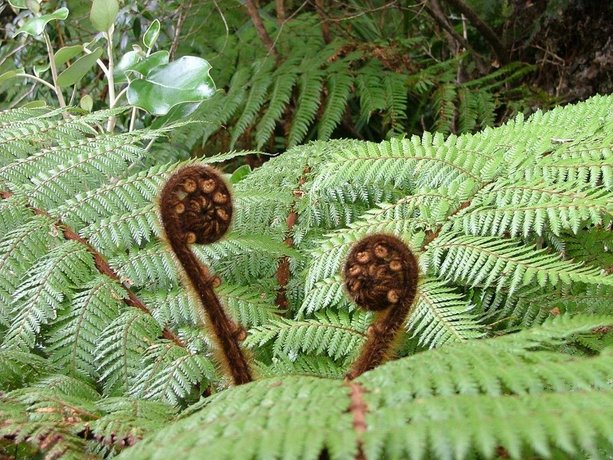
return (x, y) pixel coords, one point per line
(196, 207)
(381, 275)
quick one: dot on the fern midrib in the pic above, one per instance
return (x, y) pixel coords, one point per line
(505, 257)
(79, 326)
(442, 319)
(417, 159)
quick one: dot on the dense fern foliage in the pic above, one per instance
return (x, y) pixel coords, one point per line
(101, 345)
(318, 90)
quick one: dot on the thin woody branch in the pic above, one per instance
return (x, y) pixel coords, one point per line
(492, 38)
(259, 27)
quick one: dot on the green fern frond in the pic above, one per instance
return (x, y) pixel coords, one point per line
(284, 80)
(499, 263)
(339, 86)
(310, 84)
(334, 334)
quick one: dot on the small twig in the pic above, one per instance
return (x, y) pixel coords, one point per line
(39, 80)
(492, 38)
(259, 27)
(280, 9)
(58, 90)
(442, 21)
(184, 8)
(325, 27)
(111, 79)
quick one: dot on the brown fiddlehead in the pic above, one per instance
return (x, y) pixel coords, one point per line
(381, 275)
(196, 207)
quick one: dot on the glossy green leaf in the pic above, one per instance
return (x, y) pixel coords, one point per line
(66, 53)
(19, 4)
(185, 80)
(40, 69)
(152, 34)
(10, 75)
(127, 62)
(36, 26)
(103, 14)
(177, 113)
(76, 71)
(134, 62)
(33, 5)
(87, 103)
(34, 104)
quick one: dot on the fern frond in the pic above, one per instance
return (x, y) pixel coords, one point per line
(488, 262)
(76, 331)
(519, 209)
(170, 373)
(334, 334)
(284, 80)
(441, 315)
(339, 88)
(310, 84)
(37, 300)
(120, 347)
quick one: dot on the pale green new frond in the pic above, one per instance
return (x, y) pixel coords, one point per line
(336, 334)
(455, 427)
(38, 298)
(441, 315)
(120, 348)
(473, 399)
(523, 208)
(78, 328)
(170, 373)
(260, 420)
(487, 261)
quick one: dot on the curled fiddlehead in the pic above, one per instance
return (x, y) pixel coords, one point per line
(196, 207)
(381, 275)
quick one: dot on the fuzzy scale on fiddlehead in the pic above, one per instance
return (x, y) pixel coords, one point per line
(380, 275)
(196, 207)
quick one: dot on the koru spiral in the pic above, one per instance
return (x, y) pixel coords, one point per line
(381, 275)
(196, 207)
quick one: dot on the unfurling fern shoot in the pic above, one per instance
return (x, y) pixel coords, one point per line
(196, 207)
(380, 275)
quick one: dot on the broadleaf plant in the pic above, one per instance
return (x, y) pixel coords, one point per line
(506, 350)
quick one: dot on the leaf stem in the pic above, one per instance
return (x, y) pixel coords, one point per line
(39, 80)
(111, 79)
(57, 89)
